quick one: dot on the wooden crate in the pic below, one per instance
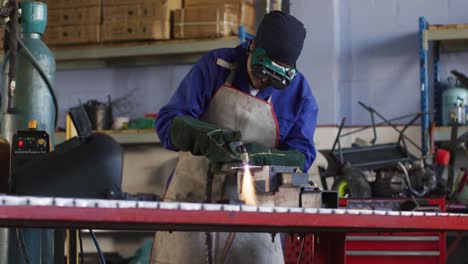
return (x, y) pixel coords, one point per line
(136, 30)
(204, 22)
(245, 10)
(191, 3)
(156, 10)
(74, 16)
(52, 4)
(76, 34)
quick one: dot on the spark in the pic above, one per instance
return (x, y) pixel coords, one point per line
(248, 194)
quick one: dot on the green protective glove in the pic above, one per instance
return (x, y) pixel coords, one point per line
(261, 156)
(201, 138)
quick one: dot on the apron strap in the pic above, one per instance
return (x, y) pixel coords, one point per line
(230, 66)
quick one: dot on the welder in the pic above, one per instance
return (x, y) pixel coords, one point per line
(254, 94)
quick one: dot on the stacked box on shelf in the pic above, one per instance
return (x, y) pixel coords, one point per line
(73, 22)
(210, 18)
(245, 9)
(137, 19)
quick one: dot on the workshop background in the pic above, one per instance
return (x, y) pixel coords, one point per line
(362, 50)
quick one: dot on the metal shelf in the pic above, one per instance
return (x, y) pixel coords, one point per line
(141, 136)
(447, 33)
(453, 38)
(137, 53)
(445, 38)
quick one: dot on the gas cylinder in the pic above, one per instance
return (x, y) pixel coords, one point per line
(32, 98)
(454, 100)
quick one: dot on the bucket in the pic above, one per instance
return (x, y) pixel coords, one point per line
(100, 114)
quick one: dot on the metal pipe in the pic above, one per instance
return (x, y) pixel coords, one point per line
(227, 246)
(302, 250)
(337, 139)
(417, 193)
(381, 123)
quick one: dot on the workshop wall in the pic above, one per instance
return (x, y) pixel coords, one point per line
(145, 89)
(355, 50)
(379, 60)
(319, 58)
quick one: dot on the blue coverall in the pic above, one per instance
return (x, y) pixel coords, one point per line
(295, 107)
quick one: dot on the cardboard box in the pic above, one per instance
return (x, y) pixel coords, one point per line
(138, 19)
(156, 10)
(244, 9)
(136, 30)
(209, 21)
(52, 4)
(76, 34)
(204, 22)
(74, 16)
(247, 15)
(191, 3)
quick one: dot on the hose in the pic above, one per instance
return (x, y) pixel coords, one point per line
(38, 67)
(12, 45)
(227, 246)
(415, 192)
(81, 246)
(23, 249)
(98, 248)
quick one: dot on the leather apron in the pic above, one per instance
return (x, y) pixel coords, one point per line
(255, 119)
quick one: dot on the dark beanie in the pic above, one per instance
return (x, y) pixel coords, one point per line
(282, 36)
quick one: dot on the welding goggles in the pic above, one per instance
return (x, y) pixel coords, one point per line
(264, 68)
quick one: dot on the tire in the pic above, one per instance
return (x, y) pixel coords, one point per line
(340, 185)
(352, 184)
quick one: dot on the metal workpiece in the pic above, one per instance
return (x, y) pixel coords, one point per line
(312, 197)
(280, 186)
(268, 179)
(138, 215)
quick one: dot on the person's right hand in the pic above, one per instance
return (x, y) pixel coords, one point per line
(201, 138)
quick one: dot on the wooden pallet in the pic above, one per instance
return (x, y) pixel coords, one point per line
(452, 26)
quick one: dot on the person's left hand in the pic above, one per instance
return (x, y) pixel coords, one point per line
(260, 155)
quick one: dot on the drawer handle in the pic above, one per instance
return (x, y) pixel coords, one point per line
(392, 238)
(392, 253)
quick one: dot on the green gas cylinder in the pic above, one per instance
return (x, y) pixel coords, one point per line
(454, 100)
(32, 98)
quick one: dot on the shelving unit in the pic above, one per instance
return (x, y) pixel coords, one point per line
(137, 53)
(130, 136)
(444, 38)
